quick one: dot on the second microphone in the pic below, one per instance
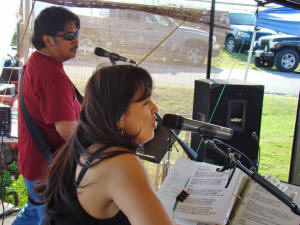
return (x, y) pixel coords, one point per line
(103, 53)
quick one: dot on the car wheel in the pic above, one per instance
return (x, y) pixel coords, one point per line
(230, 45)
(286, 60)
(259, 62)
(194, 54)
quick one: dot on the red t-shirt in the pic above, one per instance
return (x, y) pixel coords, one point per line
(49, 97)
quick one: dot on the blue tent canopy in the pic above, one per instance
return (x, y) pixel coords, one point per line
(282, 19)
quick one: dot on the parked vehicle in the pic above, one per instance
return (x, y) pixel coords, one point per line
(134, 33)
(242, 27)
(282, 50)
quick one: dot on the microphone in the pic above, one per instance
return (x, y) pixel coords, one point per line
(204, 129)
(113, 56)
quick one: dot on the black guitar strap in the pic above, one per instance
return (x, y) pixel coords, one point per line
(33, 128)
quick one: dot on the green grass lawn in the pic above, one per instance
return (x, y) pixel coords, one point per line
(277, 131)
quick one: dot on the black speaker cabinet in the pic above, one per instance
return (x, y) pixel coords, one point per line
(239, 108)
(5, 119)
(294, 177)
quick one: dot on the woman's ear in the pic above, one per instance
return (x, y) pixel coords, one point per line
(121, 123)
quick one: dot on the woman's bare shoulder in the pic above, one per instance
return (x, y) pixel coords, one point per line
(122, 163)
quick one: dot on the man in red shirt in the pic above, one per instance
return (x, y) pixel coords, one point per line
(49, 97)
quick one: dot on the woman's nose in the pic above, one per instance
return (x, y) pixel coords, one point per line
(155, 108)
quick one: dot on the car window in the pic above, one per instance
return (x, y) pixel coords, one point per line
(103, 13)
(161, 20)
(242, 19)
(124, 15)
(149, 18)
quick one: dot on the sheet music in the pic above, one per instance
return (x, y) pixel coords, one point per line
(174, 182)
(209, 201)
(173, 185)
(260, 207)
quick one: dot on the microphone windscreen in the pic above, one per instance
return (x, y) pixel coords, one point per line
(100, 51)
(172, 121)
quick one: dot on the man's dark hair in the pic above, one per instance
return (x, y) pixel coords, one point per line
(49, 22)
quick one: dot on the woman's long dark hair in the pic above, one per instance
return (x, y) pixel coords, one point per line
(107, 96)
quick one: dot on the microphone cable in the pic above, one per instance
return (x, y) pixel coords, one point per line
(236, 150)
(255, 137)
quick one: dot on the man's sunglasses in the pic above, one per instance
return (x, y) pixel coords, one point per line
(69, 36)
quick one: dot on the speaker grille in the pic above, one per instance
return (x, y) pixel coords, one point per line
(239, 108)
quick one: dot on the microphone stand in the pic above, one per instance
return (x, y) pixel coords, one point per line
(192, 154)
(187, 149)
(112, 61)
(257, 178)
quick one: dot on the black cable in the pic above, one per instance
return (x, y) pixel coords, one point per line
(229, 146)
(176, 148)
(230, 177)
(254, 136)
(9, 212)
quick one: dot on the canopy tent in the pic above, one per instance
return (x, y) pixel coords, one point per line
(289, 3)
(181, 13)
(282, 19)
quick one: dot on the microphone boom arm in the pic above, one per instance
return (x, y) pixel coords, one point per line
(192, 154)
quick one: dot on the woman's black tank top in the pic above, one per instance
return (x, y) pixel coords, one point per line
(82, 217)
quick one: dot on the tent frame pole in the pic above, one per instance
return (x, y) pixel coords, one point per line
(211, 34)
(250, 53)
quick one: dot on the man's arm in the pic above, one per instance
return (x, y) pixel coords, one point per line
(66, 128)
